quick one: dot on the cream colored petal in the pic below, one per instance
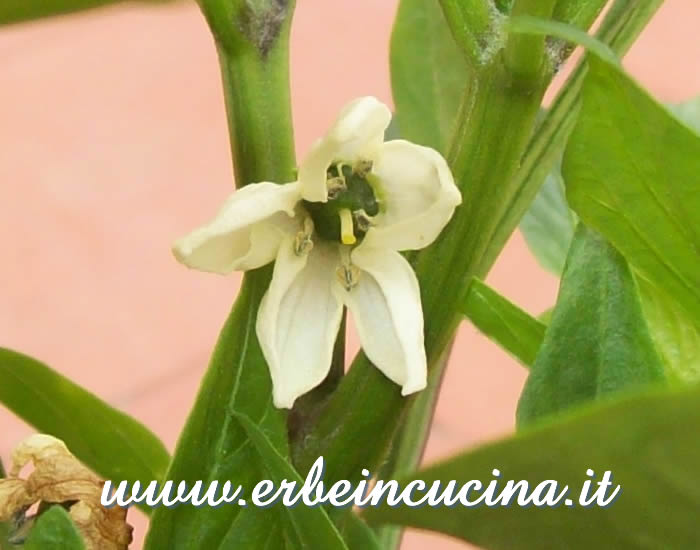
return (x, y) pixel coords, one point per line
(419, 196)
(385, 305)
(298, 320)
(357, 133)
(246, 232)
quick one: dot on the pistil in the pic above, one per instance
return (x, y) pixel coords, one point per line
(347, 230)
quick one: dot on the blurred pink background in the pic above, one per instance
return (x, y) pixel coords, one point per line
(113, 143)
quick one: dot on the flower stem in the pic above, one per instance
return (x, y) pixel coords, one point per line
(473, 24)
(524, 53)
(253, 44)
(255, 76)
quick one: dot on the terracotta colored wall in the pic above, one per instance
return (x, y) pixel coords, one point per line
(113, 142)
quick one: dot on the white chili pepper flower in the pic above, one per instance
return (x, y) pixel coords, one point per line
(335, 235)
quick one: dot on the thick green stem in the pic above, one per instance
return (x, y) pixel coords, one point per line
(524, 53)
(253, 45)
(620, 27)
(254, 58)
(473, 24)
(579, 13)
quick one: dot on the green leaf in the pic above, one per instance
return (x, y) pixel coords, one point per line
(54, 530)
(255, 528)
(548, 226)
(357, 534)
(633, 172)
(312, 525)
(597, 342)
(647, 442)
(503, 322)
(15, 11)
(428, 73)
(688, 112)
(677, 340)
(110, 442)
(213, 446)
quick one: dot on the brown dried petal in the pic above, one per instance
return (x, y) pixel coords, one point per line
(59, 477)
(13, 498)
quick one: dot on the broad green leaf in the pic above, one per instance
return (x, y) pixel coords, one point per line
(213, 446)
(633, 173)
(503, 322)
(312, 525)
(688, 112)
(548, 226)
(110, 442)
(15, 11)
(54, 530)
(597, 342)
(428, 73)
(647, 442)
(677, 340)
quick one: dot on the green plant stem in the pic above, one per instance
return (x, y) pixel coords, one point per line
(524, 53)
(579, 13)
(620, 27)
(255, 76)
(472, 23)
(256, 89)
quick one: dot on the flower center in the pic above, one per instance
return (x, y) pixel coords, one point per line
(347, 215)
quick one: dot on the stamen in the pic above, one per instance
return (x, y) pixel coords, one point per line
(363, 220)
(302, 242)
(339, 168)
(347, 231)
(363, 167)
(335, 186)
(348, 274)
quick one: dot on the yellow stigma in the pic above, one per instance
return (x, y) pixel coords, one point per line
(347, 231)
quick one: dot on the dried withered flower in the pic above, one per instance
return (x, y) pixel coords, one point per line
(58, 477)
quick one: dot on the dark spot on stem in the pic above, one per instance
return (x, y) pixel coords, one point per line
(261, 22)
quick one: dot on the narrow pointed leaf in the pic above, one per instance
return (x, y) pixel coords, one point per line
(644, 440)
(312, 525)
(15, 11)
(255, 528)
(503, 322)
(632, 172)
(426, 95)
(54, 530)
(597, 342)
(110, 442)
(213, 446)
(357, 534)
